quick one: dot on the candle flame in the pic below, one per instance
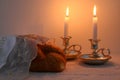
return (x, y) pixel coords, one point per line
(94, 10)
(67, 11)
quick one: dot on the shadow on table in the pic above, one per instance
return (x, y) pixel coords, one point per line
(106, 65)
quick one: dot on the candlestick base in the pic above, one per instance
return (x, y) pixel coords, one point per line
(98, 56)
(90, 59)
(71, 51)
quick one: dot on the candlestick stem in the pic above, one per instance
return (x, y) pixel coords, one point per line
(94, 46)
(66, 42)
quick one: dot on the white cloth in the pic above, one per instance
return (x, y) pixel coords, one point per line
(7, 43)
(16, 56)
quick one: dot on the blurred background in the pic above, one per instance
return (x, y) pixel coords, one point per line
(46, 17)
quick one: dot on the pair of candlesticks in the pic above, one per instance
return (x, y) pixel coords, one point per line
(98, 56)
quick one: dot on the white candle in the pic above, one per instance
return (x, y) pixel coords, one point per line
(95, 19)
(66, 25)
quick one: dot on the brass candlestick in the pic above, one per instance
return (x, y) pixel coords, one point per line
(98, 56)
(71, 51)
(66, 43)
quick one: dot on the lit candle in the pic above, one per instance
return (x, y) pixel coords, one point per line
(66, 22)
(95, 19)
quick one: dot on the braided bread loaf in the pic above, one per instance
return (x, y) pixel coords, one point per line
(49, 58)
